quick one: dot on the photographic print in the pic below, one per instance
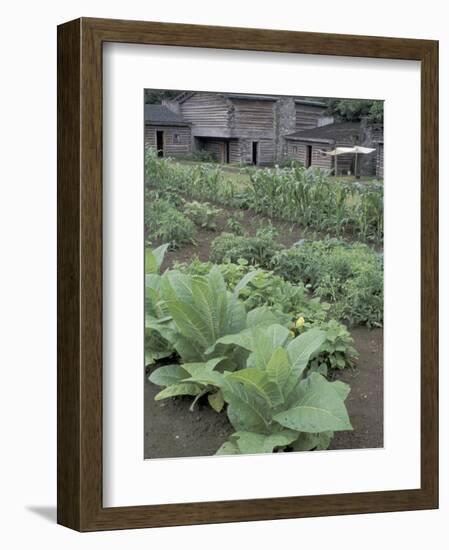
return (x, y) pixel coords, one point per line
(263, 273)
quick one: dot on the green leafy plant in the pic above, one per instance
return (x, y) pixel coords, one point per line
(348, 276)
(158, 332)
(265, 289)
(202, 214)
(198, 310)
(306, 196)
(302, 312)
(198, 181)
(165, 223)
(271, 403)
(267, 376)
(337, 350)
(291, 302)
(309, 197)
(234, 224)
(257, 250)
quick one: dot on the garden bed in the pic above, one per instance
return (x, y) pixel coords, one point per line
(172, 430)
(288, 234)
(226, 287)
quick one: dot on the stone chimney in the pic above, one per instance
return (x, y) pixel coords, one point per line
(284, 123)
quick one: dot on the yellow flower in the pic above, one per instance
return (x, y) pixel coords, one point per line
(292, 334)
(300, 322)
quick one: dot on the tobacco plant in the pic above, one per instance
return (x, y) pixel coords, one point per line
(271, 403)
(191, 312)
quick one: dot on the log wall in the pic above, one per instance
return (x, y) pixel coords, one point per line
(234, 151)
(177, 139)
(298, 151)
(206, 109)
(307, 116)
(252, 115)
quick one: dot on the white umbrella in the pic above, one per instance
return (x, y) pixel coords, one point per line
(356, 149)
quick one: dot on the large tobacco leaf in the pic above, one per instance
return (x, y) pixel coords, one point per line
(202, 311)
(274, 404)
(318, 408)
(253, 443)
(247, 410)
(154, 259)
(159, 328)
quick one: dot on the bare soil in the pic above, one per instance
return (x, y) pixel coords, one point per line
(172, 430)
(365, 401)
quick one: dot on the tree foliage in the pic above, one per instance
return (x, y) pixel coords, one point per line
(352, 110)
(156, 96)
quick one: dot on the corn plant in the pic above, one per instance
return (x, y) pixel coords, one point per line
(306, 196)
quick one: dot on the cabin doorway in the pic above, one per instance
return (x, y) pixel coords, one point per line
(224, 151)
(254, 153)
(160, 143)
(308, 156)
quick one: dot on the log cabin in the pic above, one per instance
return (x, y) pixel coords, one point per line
(309, 147)
(233, 128)
(246, 128)
(256, 129)
(166, 131)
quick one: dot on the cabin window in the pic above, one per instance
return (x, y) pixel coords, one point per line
(176, 138)
(294, 150)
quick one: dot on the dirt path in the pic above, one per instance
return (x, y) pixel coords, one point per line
(171, 430)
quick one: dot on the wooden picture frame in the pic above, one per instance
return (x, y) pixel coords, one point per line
(80, 504)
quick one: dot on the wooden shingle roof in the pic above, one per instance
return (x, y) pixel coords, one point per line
(339, 132)
(159, 114)
(184, 96)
